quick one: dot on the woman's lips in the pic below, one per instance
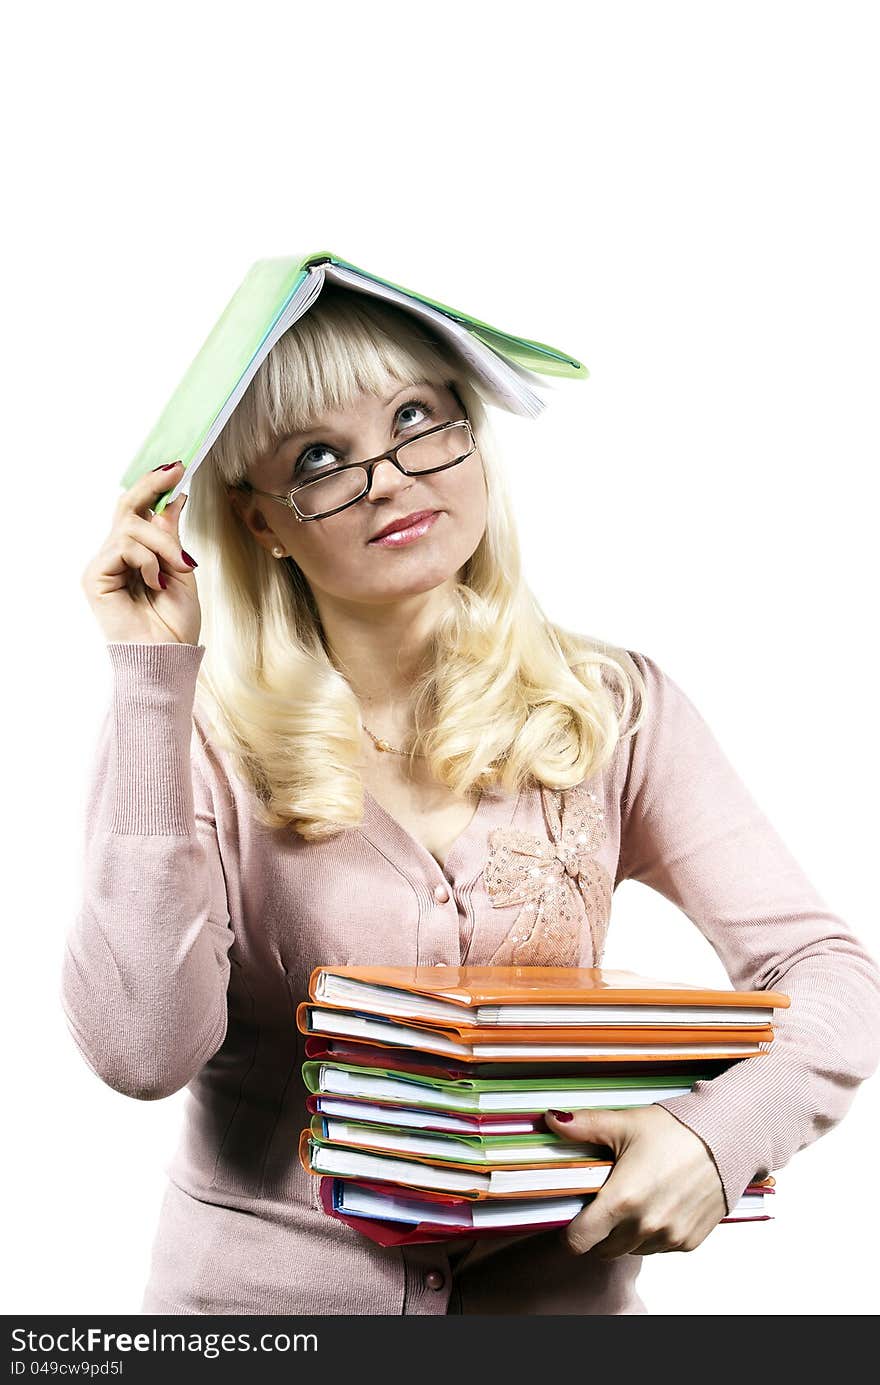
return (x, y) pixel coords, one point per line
(404, 536)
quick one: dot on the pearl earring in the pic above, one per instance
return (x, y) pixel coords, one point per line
(278, 551)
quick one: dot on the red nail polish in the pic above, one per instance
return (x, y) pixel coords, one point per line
(187, 559)
(562, 1115)
(163, 583)
(165, 466)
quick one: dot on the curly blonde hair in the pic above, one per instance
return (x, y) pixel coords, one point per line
(505, 697)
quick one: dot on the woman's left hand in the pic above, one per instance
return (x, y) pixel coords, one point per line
(664, 1192)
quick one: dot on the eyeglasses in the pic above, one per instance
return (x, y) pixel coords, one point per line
(335, 488)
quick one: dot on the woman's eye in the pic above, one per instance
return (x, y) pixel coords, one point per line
(319, 455)
(418, 404)
(317, 450)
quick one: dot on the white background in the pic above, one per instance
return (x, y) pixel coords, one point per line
(683, 196)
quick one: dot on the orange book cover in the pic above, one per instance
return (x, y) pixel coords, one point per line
(470, 986)
(629, 1044)
(550, 1034)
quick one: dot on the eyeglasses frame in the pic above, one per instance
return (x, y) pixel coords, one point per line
(369, 465)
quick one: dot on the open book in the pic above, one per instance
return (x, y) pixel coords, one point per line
(273, 295)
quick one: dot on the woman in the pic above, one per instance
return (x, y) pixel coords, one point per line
(331, 776)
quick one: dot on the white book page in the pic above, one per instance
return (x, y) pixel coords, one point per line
(448, 1147)
(352, 1164)
(509, 1181)
(510, 387)
(420, 1120)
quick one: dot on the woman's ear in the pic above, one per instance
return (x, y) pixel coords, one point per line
(238, 498)
(235, 496)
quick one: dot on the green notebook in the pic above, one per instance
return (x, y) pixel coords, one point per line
(538, 1147)
(273, 295)
(511, 1094)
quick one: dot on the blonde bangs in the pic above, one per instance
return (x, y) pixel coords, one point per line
(346, 344)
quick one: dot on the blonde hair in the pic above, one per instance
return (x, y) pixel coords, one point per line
(505, 697)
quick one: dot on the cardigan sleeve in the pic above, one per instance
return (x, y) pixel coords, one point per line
(691, 830)
(145, 966)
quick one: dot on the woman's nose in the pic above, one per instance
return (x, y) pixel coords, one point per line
(388, 479)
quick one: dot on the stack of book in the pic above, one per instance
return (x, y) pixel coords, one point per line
(428, 1087)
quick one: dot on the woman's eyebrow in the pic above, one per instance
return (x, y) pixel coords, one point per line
(323, 426)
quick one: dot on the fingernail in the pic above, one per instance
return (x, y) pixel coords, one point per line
(187, 559)
(163, 583)
(166, 466)
(562, 1115)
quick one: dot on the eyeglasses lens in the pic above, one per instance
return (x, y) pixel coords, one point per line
(335, 486)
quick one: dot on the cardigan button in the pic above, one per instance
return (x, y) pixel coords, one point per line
(441, 894)
(434, 1279)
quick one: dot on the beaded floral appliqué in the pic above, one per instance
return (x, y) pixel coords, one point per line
(558, 882)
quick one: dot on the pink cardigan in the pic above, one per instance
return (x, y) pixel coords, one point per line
(199, 928)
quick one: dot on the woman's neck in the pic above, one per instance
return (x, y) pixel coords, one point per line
(381, 651)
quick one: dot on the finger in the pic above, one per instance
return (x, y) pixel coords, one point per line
(168, 519)
(604, 1128)
(597, 1220)
(173, 510)
(654, 1245)
(625, 1239)
(164, 541)
(136, 557)
(150, 487)
(126, 554)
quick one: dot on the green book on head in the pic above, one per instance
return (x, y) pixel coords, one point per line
(273, 295)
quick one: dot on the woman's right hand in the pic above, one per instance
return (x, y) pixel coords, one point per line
(138, 584)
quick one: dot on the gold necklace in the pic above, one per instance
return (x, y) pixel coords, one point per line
(381, 744)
